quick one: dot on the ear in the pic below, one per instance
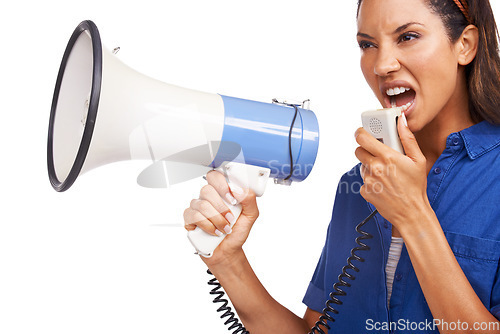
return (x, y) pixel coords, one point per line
(467, 45)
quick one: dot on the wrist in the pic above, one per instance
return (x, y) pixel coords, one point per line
(223, 265)
(418, 219)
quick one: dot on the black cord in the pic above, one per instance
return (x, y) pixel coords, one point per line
(325, 317)
(323, 320)
(290, 141)
(290, 134)
(219, 293)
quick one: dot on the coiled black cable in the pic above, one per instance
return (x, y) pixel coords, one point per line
(219, 293)
(325, 317)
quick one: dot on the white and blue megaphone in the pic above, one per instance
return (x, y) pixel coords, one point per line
(103, 111)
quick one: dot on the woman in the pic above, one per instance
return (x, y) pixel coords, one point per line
(437, 60)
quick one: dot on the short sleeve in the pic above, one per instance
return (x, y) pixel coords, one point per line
(315, 294)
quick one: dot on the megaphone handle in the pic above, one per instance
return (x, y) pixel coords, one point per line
(205, 243)
(244, 176)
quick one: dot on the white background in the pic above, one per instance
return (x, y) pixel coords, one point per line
(108, 256)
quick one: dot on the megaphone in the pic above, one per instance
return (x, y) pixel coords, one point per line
(103, 112)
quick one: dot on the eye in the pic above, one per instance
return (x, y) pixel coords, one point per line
(408, 37)
(363, 45)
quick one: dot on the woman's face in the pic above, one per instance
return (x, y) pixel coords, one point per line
(407, 58)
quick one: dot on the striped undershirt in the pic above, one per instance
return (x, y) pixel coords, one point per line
(392, 263)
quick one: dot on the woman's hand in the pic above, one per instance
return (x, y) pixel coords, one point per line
(394, 183)
(209, 213)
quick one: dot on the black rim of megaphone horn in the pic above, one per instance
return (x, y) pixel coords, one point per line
(91, 28)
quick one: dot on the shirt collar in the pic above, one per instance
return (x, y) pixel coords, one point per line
(480, 138)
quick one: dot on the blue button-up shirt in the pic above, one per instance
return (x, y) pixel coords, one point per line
(463, 188)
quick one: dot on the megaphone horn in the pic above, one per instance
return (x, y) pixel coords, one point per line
(103, 111)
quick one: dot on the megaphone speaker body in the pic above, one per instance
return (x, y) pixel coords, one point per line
(103, 111)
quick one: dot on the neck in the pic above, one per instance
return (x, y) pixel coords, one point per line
(452, 118)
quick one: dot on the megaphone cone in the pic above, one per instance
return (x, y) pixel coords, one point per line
(103, 111)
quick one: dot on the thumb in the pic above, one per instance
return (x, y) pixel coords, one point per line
(408, 140)
(247, 199)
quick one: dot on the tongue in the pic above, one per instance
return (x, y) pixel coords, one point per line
(404, 98)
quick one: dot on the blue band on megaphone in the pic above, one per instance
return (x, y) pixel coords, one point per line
(262, 130)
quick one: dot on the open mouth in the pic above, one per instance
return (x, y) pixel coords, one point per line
(402, 97)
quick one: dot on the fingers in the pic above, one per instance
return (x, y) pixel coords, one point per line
(373, 166)
(203, 214)
(362, 171)
(209, 212)
(210, 204)
(194, 218)
(363, 155)
(210, 196)
(234, 194)
(218, 181)
(370, 143)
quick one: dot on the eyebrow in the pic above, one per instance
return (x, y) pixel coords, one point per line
(397, 31)
(404, 26)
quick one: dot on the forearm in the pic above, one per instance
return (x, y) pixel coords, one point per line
(258, 311)
(447, 291)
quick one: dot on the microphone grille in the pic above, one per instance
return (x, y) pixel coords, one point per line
(375, 125)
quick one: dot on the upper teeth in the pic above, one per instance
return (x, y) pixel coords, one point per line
(396, 91)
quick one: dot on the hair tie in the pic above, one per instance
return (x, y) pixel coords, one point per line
(464, 8)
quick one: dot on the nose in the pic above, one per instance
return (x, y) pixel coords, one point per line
(386, 63)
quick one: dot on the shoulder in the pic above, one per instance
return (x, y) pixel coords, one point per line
(349, 204)
(351, 181)
(480, 140)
